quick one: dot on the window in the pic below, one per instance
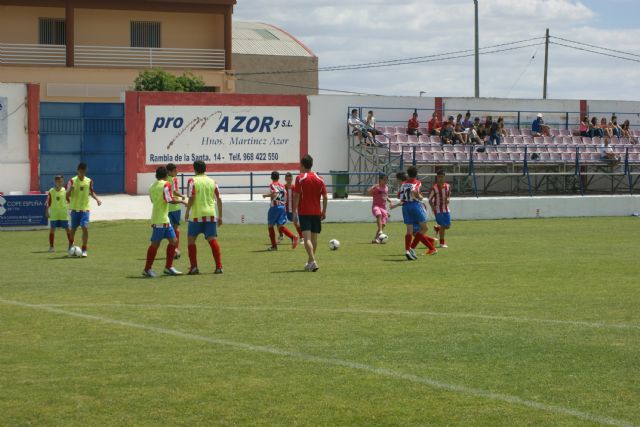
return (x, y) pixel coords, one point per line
(266, 34)
(145, 34)
(52, 31)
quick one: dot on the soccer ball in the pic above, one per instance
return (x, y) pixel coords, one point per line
(382, 238)
(334, 244)
(75, 251)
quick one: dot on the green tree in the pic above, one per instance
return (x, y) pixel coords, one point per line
(158, 80)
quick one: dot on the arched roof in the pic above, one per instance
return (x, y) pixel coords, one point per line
(256, 38)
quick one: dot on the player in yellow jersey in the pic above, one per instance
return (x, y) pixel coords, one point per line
(79, 189)
(204, 213)
(175, 210)
(162, 197)
(56, 211)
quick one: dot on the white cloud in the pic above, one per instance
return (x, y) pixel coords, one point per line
(350, 31)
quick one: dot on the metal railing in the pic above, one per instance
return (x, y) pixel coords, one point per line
(141, 57)
(36, 54)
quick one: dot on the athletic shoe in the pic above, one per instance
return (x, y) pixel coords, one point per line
(306, 266)
(177, 255)
(218, 271)
(294, 242)
(443, 245)
(193, 270)
(410, 255)
(149, 273)
(272, 248)
(51, 249)
(413, 252)
(280, 237)
(313, 266)
(171, 271)
(432, 252)
(375, 241)
(84, 254)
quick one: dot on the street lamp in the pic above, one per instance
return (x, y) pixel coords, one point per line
(422, 92)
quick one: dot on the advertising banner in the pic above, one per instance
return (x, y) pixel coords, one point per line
(23, 211)
(222, 135)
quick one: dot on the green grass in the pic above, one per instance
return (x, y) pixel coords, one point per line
(544, 311)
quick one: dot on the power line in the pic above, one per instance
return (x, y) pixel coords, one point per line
(597, 47)
(403, 61)
(596, 52)
(523, 71)
(306, 87)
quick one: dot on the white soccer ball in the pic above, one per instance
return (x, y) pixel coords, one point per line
(334, 244)
(75, 251)
(382, 238)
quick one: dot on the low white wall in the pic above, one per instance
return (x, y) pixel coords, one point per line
(14, 138)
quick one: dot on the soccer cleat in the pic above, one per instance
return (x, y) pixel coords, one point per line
(375, 241)
(193, 270)
(84, 254)
(51, 249)
(272, 248)
(280, 237)
(306, 266)
(149, 273)
(413, 252)
(443, 245)
(410, 255)
(171, 271)
(177, 255)
(433, 251)
(313, 266)
(218, 271)
(294, 242)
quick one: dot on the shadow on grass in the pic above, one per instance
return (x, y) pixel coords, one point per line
(289, 271)
(396, 260)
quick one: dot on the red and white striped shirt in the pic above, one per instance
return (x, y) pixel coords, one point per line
(439, 198)
(289, 204)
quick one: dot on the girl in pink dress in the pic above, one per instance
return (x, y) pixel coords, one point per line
(380, 194)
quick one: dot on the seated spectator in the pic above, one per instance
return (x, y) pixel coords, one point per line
(447, 136)
(584, 126)
(459, 118)
(538, 128)
(626, 130)
(488, 122)
(494, 134)
(615, 127)
(461, 135)
(370, 123)
(413, 125)
(476, 123)
(607, 154)
(467, 123)
(502, 129)
(433, 126)
(608, 132)
(357, 128)
(474, 136)
(594, 129)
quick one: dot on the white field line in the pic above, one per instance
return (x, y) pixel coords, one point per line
(388, 373)
(578, 323)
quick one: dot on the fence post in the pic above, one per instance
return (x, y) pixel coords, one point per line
(251, 185)
(518, 120)
(401, 157)
(414, 156)
(578, 174)
(526, 169)
(566, 120)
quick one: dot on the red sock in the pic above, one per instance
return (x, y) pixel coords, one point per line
(52, 237)
(84, 248)
(215, 249)
(193, 256)
(442, 241)
(416, 240)
(407, 241)
(151, 256)
(272, 237)
(171, 252)
(284, 230)
(424, 239)
(299, 231)
(177, 230)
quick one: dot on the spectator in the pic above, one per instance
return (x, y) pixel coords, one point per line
(370, 123)
(494, 134)
(476, 124)
(606, 130)
(615, 127)
(584, 126)
(488, 122)
(474, 136)
(459, 118)
(594, 129)
(626, 131)
(358, 128)
(538, 128)
(502, 129)
(433, 126)
(482, 132)
(447, 136)
(467, 124)
(461, 134)
(413, 126)
(607, 154)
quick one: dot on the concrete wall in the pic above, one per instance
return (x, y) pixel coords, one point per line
(20, 24)
(14, 139)
(251, 63)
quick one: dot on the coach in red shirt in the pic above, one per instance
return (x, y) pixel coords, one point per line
(307, 191)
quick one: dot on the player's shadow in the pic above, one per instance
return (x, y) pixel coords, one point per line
(41, 252)
(56, 258)
(289, 271)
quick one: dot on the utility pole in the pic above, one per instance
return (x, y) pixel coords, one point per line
(475, 2)
(546, 64)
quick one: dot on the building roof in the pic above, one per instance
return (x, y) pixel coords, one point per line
(256, 38)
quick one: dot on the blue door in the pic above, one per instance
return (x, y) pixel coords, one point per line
(93, 133)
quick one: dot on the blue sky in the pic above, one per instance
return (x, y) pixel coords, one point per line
(352, 31)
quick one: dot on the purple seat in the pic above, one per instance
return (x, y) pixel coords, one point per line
(381, 139)
(462, 157)
(508, 140)
(449, 157)
(435, 139)
(395, 147)
(448, 148)
(548, 140)
(585, 140)
(504, 157)
(502, 148)
(568, 156)
(460, 148)
(625, 141)
(516, 157)
(390, 130)
(518, 140)
(525, 132)
(481, 157)
(567, 140)
(393, 138)
(545, 157)
(401, 130)
(492, 157)
(528, 140)
(403, 138)
(423, 131)
(412, 139)
(564, 132)
(428, 157)
(424, 139)
(595, 157)
(438, 156)
(538, 140)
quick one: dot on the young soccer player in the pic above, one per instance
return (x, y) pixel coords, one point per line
(413, 214)
(56, 211)
(380, 194)
(277, 215)
(161, 197)
(175, 210)
(439, 197)
(204, 213)
(79, 189)
(307, 191)
(288, 186)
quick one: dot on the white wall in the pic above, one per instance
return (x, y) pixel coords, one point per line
(625, 110)
(14, 138)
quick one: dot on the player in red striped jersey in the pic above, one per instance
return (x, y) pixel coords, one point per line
(439, 198)
(288, 186)
(277, 214)
(175, 210)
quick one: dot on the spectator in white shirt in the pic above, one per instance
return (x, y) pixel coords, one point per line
(357, 128)
(606, 152)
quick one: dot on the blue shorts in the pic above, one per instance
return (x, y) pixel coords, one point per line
(160, 233)
(209, 229)
(290, 216)
(444, 219)
(79, 219)
(60, 223)
(174, 217)
(413, 213)
(277, 215)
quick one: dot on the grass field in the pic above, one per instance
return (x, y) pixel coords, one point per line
(518, 323)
